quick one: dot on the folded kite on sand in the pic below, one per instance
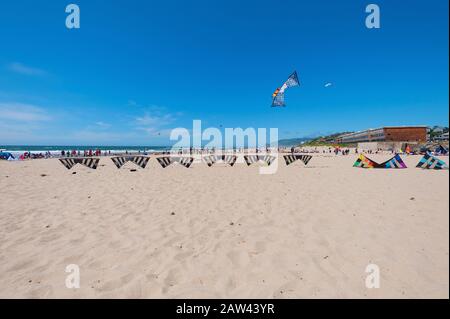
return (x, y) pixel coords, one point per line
(167, 160)
(140, 161)
(250, 159)
(212, 159)
(88, 162)
(6, 156)
(365, 162)
(431, 162)
(289, 159)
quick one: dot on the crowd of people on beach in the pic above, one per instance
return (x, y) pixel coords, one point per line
(336, 150)
(330, 150)
(86, 153)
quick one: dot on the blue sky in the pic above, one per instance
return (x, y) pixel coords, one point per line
(136, 69)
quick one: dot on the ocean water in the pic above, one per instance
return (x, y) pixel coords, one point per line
(56, 149)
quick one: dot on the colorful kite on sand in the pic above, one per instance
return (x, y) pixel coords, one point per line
(365, 162)
(431, 162)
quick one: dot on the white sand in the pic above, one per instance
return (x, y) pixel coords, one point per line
(304, 232)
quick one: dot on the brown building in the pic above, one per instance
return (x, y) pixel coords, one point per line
(386, 134)
(406, 134)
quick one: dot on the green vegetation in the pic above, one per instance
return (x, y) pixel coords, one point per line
(328, 140)
(293, 141)
(436, 131)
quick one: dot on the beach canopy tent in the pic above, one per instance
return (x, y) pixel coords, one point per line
(6, 156)
(431, 162)
(365, 162)
(408, 149)
(441, 150)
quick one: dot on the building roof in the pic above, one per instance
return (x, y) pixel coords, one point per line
(406, 126)
(380, 128)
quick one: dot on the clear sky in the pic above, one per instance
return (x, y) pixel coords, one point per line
(136, 69)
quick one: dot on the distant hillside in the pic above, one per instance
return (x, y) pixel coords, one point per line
(434, 131)
(293, 141)
(324, 140)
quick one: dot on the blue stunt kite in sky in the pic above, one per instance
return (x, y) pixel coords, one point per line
(278, 95)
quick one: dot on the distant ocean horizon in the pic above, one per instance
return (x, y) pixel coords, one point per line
(59, 148)
(114, 149)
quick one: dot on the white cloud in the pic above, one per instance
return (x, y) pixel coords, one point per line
(102, 125)
(155, 120)
(25, 70)
(22, 112)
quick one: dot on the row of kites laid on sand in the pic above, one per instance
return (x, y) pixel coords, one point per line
(427, 162)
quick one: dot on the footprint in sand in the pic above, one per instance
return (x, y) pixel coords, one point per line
(238, 258)
(118, 283)
(286, 290)
(183, 256)
(41, 292)
(22, 265)
(172, 279)
(260, 247)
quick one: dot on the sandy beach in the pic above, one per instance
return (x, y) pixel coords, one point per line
(224, 232)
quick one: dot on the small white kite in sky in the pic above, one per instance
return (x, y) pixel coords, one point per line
(328, 84)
